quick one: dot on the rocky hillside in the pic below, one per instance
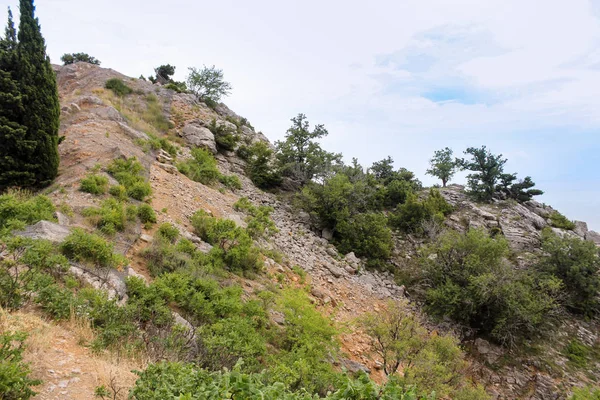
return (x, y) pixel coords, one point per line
(100, 127)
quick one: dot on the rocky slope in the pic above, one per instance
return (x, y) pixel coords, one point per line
(99, 127)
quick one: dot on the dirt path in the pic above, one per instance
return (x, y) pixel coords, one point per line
(67, 369)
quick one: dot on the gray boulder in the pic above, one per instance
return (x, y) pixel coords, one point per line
(327, 234)
(199, 136)
(593, 237)
(581, 228)
(46, 230)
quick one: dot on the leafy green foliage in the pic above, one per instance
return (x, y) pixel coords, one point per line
(15, 380)
(71, 58)
(577, 353)
(183, 381)
(146, 214)
(576, 263)
(560, 221)
(118, 87)
(201, 168)
(225, 137)
(169, 232)
(128, 172)
(231, 182)
(94, 184)
(471, 283)
(156, 143)
(29, 120)
(86, 247)
(261, 167)
(366, 235)
(587, 393)
(300, 155)
(233, 246)
(521, 191)
(488, 178)
(432, 362)
(259, 218)
(109, 217)
(208, 84)
(18, 209)
(409, 217)
(27, 262)
(442, 165)
(487, 169)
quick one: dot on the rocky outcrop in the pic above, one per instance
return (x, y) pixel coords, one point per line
(45, 230)
(199, 136)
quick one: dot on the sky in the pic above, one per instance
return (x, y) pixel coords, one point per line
(399, 78)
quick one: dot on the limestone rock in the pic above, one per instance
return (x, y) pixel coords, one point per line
(327, 234)
(199, 136)
(46, 230)
(581, 228)
(593, 237)
(354, 366)
(352, 259)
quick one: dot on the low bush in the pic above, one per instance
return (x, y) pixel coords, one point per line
(232, 246)
(81, 246)
(558, 220)
(94, 184)
(156, 143)
(577, 353)
(231, 182)
(410, 216)
(586, 393)
(201, 168)
(27, 263)
(471, 282)
(576, 263)
(119, 192)
(146, 214)
(15, 380)
(169, 232)
(118, 87)
(128, 172)
(109, 217)
(367, 235)
(19, 209)
(262, 168)
(259, 220)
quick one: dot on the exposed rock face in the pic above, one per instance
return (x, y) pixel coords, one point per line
(199, 136)
(45, 230)
(593, 237)
(581, 228)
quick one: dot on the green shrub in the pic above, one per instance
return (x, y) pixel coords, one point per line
(471, 282)
(576, 262)
(81, 246)
(201, 168)
(168, 232)
(128, 173)
(410, 216)
(118, 87)
(56, 301)
(397, 192)
(258, 220)
(94, 184)
(109, 217)
(156, 143)
(27, 265)
(367, 235)
(177, 380)
(577, 353)
(558, 220)
(261, 169)
(119, 192)
(18, 209)
(15, 382)
(231, 181)
(587, 393)
(146, 214)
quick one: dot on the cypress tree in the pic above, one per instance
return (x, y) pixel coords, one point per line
(37, 84)
(15, 149)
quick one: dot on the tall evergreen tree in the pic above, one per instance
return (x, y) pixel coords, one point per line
(37, 83)
(15, 150)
